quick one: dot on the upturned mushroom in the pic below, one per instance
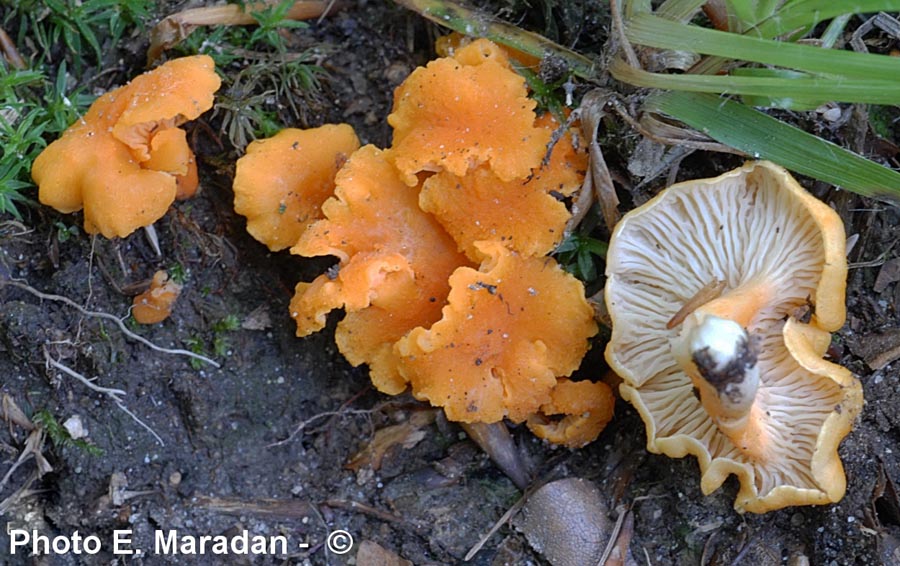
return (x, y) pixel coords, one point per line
(723, 293)
(126, 160)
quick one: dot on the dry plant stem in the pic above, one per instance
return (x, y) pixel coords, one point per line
(300, 427)
(592, 112)
(114, 394)
(107, 316)
(500, 522)
(11, 412)
(661, 132)
(32, 449)
(349, 505)
(710, 291)
(624, 511)
(174, 28)
(8, 48)
(477, 24)
(615, 12)
(19, 494)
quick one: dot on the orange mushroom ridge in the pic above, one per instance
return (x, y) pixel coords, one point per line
(508, 331)
(737, 378)
(126, 160)
(459, 112)
(586, 406)
(528, 214)
(394, 264)
(155, 304)
(281, 182)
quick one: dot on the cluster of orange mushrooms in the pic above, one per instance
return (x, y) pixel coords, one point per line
(722, 292)
(442, 242)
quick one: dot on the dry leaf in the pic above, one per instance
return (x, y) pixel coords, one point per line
(407, 434)
(173, 29)
(371, 554)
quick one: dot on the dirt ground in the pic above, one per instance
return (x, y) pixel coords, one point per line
(263, 442)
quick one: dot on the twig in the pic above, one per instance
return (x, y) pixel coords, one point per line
(500, 522)
(478, 24)
(619, 26)
(349, 505)
(623, 511)
(97, 314)
(32, 449)
(300, 427)
(114, 394)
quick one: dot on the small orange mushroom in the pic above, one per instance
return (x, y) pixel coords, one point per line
(393, 270)
(461, 111)
(281, 182)
(509, 330)
(586, 407)
(155, 304)
(123, 162)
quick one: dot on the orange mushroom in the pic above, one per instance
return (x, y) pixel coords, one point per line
(527, 214)
(738, 381)
(123, 162)
(586, 407)
(461, 111)
(281, 182)
(155, 304)
(509, 330)
(393, 270)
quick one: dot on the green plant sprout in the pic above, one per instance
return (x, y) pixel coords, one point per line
(59, 436)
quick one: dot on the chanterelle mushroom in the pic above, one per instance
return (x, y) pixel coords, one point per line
(736, 378)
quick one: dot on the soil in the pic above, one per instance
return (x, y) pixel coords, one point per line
(263, 442)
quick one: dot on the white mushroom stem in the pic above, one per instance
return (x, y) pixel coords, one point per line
(721, 359)
(725, 358)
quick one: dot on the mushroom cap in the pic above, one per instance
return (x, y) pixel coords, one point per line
(394, 264)
(461, 111)
(123, 161)
(508, 331)
(281, 182)
(777, 249)
(527, 214)
(155, 304)
(587, 407)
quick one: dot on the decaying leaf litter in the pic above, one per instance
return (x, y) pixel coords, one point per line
(214, 422)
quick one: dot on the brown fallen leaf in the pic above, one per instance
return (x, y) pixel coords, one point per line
(372, 554)
(173, 29)
(878, 350)
(889, 273)
(406, 434)
(11, 412)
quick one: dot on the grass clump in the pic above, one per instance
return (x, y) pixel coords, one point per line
(43, 89)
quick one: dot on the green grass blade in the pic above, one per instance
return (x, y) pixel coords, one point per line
(679, 10)
(764, 137)
(654, 31)
(855, 90)
(808, 13)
